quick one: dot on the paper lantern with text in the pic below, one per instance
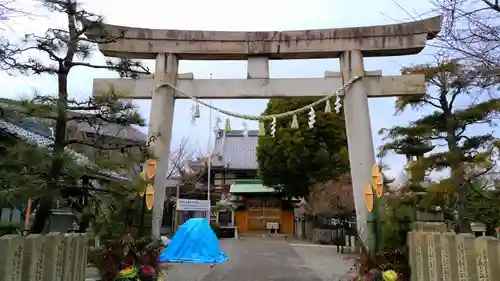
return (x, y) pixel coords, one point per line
(377, 180)
(150, 168)
(369, 197)
(150, 196)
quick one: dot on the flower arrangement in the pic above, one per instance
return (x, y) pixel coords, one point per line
(143, 273)
(377, 275)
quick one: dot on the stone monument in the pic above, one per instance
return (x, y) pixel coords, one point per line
(351, 45)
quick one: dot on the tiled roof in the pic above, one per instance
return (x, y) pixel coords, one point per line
(249, 186)
(236, 150)
(36, 133)
(114, 130)
(36, 139)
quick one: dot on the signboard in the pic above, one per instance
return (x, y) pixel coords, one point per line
(192, 205)
(272, 226)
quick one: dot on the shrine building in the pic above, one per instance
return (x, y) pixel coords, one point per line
(256, 208)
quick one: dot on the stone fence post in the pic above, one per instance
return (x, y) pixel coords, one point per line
(54, 257)
(446, 256)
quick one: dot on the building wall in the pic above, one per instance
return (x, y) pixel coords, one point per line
(286, 221)
(240, 216)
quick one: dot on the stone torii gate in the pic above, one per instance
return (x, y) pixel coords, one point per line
(348, 44)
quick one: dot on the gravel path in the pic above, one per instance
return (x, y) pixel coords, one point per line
(325, 262)
(261, 259)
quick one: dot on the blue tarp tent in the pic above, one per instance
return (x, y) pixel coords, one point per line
(194, 242)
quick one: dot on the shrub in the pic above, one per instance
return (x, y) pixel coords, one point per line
(9, 228)
(123, 249)
(216, 228)
(129, 251)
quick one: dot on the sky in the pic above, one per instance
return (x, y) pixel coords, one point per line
(256, 15)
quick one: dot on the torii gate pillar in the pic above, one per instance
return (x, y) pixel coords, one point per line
(359, 138)
(160, 126)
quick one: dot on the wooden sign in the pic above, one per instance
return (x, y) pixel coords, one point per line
(377, 180)
(150, 196)
(150, 168)
(369, 197)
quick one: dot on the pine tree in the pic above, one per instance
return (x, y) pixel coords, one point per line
(452, 127)
(66, 49)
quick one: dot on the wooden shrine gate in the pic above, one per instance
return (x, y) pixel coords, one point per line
(261, 211)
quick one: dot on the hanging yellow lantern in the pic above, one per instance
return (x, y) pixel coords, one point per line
(150, 168)
(377, 180)
(369, 197)
(150, 196)
(227, 128)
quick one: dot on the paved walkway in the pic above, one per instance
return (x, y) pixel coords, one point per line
(261, 259)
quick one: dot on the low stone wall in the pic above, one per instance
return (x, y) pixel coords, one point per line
(335, 237)
(54, 256)
(453, 257)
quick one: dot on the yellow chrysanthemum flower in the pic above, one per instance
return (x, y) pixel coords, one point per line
(390, 275)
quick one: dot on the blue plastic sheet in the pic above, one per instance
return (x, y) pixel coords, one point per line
(194, 242)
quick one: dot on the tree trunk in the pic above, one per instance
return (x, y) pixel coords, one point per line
(457, 179)
(53, 185)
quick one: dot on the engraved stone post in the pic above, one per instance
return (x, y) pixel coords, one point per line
(487, 256)
(53, 257)
(449, 257)
(80, 261)
(77, 252)
(415, 240)
(32, 268)
(421, 240)
(410, 240)
(434, 254)
(11, 257)
(85, 245)
(467, 269)
(69, 257)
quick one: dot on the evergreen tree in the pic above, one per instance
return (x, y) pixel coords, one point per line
(66, 49)
(483, 204)
(453, 128)
(295, 159)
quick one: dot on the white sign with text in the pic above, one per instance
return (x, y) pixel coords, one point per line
(192, 205)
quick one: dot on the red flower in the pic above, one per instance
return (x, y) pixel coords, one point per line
(147, 270)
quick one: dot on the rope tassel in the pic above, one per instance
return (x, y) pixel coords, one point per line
(337, 104)
(262, 129)
(295, 122)
(197, 111)
(328, 108)
(227, 128)
(273, 127)
(245, 129)
(312, 118)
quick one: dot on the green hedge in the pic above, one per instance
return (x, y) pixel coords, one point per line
(9, 228)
